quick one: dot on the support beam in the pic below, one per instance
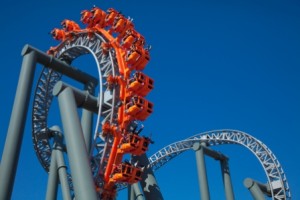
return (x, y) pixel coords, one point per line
(212, 153)
(88, 102)
(14, 137)
(202, 176)
(62, 172)
(60, 66)
(82, 98)
(61, 167)
(87, 119)
(84, 187)
(254, 188)
(148, 183)
(138, 195)
(87, 123)
(227, 180)
(130, 192)
(134, 192)
(52, 178)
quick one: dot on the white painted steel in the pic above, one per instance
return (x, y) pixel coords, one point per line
(276, 177)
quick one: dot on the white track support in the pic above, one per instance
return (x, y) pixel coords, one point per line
(273, 170)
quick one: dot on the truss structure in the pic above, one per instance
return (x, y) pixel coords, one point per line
(120, 54)
(276, 177)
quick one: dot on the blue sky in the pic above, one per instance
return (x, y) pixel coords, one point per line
(216, 64)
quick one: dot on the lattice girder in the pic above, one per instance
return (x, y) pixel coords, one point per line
(273, 170)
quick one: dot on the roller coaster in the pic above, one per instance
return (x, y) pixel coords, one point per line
(112, 155)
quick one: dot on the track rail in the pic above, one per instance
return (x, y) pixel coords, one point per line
(120, 55)
(118, 51)
(43, 94)
(276, 177)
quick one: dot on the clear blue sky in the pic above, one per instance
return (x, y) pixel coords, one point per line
(216, 64)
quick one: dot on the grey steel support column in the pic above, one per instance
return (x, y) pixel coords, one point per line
(227, 180)
(202, 176)
(53, 179)
(89, 104)
(254, 188)
(84, 187)
(61, 167)
(87, 123)
(130, 192)
(138, 195)
(63, 178)
(148, 183)
(15, 131)
(14, 136)
(134, 192)
(87, 120)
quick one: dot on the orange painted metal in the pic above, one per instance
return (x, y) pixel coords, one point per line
(137, 58)
(125, 172)
(98, 17)
(134, 144)
(86, 17)
(131, 57)
(122, 25)
(138, 108)
(110, 18)
(58, 34)
(140, 84)
(70, 25)
(132, 37)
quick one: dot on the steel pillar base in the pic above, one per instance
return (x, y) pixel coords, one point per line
(227, 180)
(52, 179)
(148, 183)
(202, 176)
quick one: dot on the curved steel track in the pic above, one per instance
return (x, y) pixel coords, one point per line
(85, 42)
(106, 63)
(68, 51)
(118, 51)
(276, 177)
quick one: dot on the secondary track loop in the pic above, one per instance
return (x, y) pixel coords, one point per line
(276, 177)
